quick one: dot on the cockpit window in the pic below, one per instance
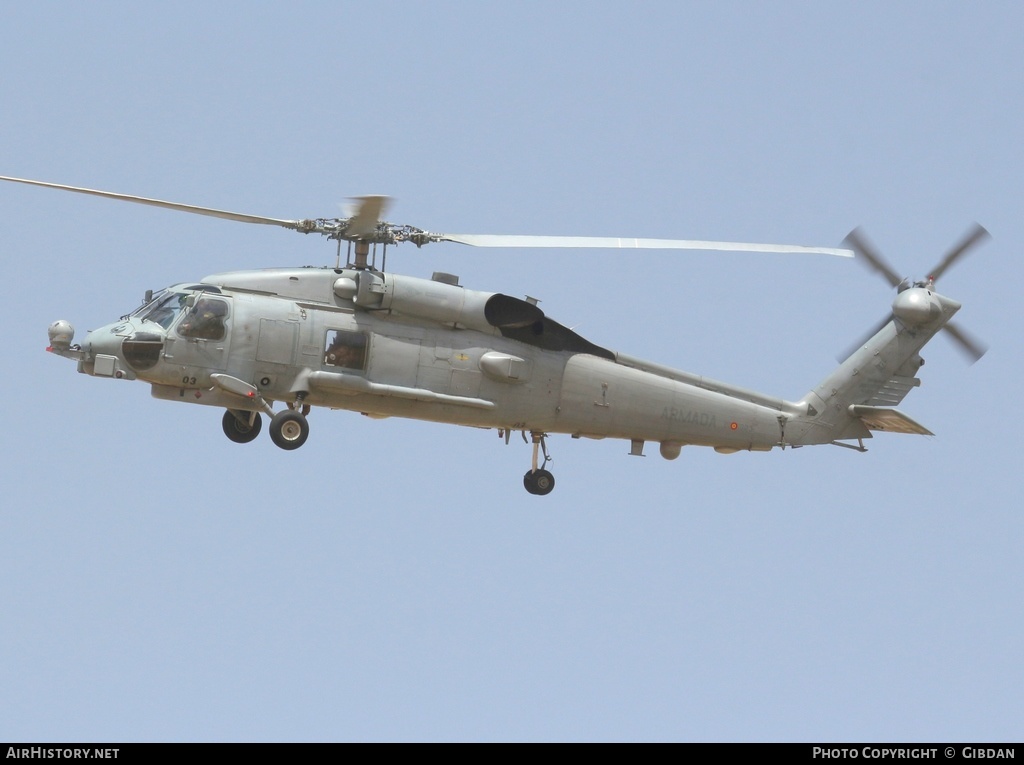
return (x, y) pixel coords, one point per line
(147, 304)
(204, 320)
(345, 349)
(164, 309)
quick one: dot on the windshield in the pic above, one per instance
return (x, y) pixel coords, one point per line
(164, 308)
(146, 303)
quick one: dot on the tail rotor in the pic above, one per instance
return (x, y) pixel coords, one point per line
(972, 348)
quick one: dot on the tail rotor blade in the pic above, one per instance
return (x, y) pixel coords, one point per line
(855, 239)
(972, 348)
(977, 233)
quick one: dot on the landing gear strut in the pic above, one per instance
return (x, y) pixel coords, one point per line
(538, 480)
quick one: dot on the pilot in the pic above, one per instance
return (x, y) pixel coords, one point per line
(206, 320)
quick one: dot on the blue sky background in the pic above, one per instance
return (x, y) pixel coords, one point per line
(391, 580)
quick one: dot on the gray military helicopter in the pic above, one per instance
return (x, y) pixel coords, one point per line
(361, 338)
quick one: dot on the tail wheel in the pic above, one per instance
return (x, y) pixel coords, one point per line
(539, 482)
(289, 429)
(238, 427)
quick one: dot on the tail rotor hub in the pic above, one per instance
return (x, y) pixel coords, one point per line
(916, 306)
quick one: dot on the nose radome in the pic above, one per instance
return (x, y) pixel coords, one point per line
(104, 341)
(105, 353)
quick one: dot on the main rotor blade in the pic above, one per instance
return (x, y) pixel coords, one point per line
(367, 225)
(974, 235)
(602, 242)
(870, 255)
(367, 215)
(970, 347)
(241, 217)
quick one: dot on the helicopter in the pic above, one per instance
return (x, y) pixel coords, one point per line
(361, 338)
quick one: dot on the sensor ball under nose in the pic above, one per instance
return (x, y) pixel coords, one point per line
(61, 334)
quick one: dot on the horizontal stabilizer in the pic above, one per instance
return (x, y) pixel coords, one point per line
(888, 420)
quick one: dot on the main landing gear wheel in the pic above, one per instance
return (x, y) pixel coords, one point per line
(239, 430)
(539, 481)
(289, 429)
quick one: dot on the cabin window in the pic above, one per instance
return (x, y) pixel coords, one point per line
(205, 320)
(345, 349)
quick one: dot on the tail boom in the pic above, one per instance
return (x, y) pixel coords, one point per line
(857, 397)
